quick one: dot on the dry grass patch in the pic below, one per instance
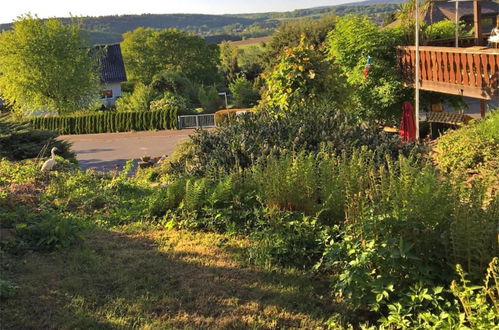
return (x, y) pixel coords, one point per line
(154, 279)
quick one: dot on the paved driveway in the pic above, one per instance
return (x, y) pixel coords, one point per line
(104, 151)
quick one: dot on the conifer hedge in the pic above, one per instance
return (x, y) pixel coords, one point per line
(106, 122)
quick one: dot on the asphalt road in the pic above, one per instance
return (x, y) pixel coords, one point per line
(105, 151)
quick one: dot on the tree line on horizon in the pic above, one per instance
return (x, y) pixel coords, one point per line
(215, 28)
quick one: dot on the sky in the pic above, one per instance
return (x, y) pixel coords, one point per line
(11, 9)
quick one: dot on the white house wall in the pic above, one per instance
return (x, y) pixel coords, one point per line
(116, 88)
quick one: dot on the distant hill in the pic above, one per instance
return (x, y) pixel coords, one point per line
(215, 28)
(374, 2)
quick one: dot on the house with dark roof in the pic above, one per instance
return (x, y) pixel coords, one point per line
(112, 73)
(437, 11)
(441, 10)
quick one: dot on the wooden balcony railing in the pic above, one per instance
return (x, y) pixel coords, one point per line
(472, 72)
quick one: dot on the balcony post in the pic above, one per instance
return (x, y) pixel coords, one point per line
(477, 21)
(416, 115)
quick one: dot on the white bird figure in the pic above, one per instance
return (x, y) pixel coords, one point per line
(49, 164)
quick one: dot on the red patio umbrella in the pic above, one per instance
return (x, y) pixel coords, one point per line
(407, 130)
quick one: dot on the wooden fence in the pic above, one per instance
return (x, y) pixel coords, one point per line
(470, 72)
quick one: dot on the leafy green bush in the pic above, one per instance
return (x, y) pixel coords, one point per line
(301, 76)
(16, 173)
(177, 83)
(170, 103)
(241, 142)
(208, 98)
(444, 29)
(472, 150)
(288, 182)
(295, 241)
(224, 115)
(423, 308)
(244, 94)
(18, 141)
(108, 122)
(167, 198)
(139, 100)
(48, 231)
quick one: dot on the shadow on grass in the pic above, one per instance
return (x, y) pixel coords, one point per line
(168, 279)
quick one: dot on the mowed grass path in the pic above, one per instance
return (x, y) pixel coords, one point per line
(154, 278)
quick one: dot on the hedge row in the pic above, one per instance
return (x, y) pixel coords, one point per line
(104, 122)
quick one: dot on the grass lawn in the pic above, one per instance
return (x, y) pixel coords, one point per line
(153, 278)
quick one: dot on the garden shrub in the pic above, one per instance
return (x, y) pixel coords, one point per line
(472, 151)
(139, 100)
(208, 98)
(224, 205)
(380, 93)
(240, 143)
(48, 231)
(222, 116)
(301, 76)
(289, 240)
(18, 172)
(288, 182)
(244, 93)
(473, 307)
(18, 141)
(167, 198)
(177, 83)
(171, 103)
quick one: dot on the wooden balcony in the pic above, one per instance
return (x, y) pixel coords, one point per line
(472, 71)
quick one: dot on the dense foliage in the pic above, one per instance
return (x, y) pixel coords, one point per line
(250, 137)
(301, 77)
(19, 141)
(472, 150)
(229, 60)
(379, 93)
(290, 35)
(401, 240)
(46, 66)
(323, 194)
(139, 100)
(102, 122)
(244, 93)
(147, 52)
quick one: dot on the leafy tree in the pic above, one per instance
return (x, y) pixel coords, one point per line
(251, 60)
(379, 94)
(301, 76)
(290, 34)
(46, 65)
(208, 98)
(177, 83)
(244, 94)
(229, 60)
(147, 52)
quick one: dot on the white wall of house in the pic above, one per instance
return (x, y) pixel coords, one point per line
(115, 89)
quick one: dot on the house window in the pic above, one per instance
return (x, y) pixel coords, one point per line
(106, 94)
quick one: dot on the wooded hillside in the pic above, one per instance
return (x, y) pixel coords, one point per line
(109, 29)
